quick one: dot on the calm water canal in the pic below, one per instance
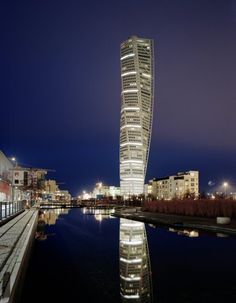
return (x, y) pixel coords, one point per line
(96, 258)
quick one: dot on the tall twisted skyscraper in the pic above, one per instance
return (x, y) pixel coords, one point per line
(137, 78)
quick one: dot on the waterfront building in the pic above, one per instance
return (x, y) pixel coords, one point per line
(232, 195)
(51, 191)
(180, 186)
(62, 196)
(12, 179)
(137, 95)
(102, 190)
(147, 189)
(135, 269)
(114, 191)
(50, 186)
(5, 178)
(85, 195)
(24, 177)
(27, 182)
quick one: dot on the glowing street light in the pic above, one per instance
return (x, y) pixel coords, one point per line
(14, 160)
(225, 184)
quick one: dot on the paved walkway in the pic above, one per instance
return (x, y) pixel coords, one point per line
(14, 239)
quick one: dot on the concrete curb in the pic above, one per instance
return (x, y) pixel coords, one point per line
(17, 259)
(180, 225)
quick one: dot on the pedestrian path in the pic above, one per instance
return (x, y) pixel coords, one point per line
(15, 237)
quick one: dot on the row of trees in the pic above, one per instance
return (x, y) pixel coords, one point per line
(201, 196)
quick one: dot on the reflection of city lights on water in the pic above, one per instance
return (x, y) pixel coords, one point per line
(130, 296)
(188, 233)
(132, 224)
(98, 217)
(99, 213)
(131, 278)
(193, 234)
(51, 216)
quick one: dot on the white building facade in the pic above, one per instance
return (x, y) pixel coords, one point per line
(101, 190)
(180, 186)
(137, 78)
(5, 178)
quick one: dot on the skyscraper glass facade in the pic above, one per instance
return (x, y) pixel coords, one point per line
(137, 77)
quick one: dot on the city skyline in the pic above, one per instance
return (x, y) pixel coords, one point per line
(61, 94)
(137, 95)
(117, 151)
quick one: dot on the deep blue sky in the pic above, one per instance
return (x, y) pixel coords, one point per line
(60, 86)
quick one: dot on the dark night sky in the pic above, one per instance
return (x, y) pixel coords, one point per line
(60, 86)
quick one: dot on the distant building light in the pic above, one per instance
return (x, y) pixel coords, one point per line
(131, 126)
(130, 108)
(133, 261)
(132, 179)
(131, 242)
(128, 73)
(131, 143)
(132, 161)
(146, 75)
(127, 56)
(133, 90)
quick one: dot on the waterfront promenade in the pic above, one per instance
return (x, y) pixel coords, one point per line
(177, 221)
(15, 240)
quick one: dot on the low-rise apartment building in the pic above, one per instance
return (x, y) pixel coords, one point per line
(180, 186)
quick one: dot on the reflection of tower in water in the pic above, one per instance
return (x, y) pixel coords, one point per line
(135, 269)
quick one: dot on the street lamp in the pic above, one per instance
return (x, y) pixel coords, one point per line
(13, 159)
(225, 184)
(99, 185)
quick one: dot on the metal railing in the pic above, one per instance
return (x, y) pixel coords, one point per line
(8, 209)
